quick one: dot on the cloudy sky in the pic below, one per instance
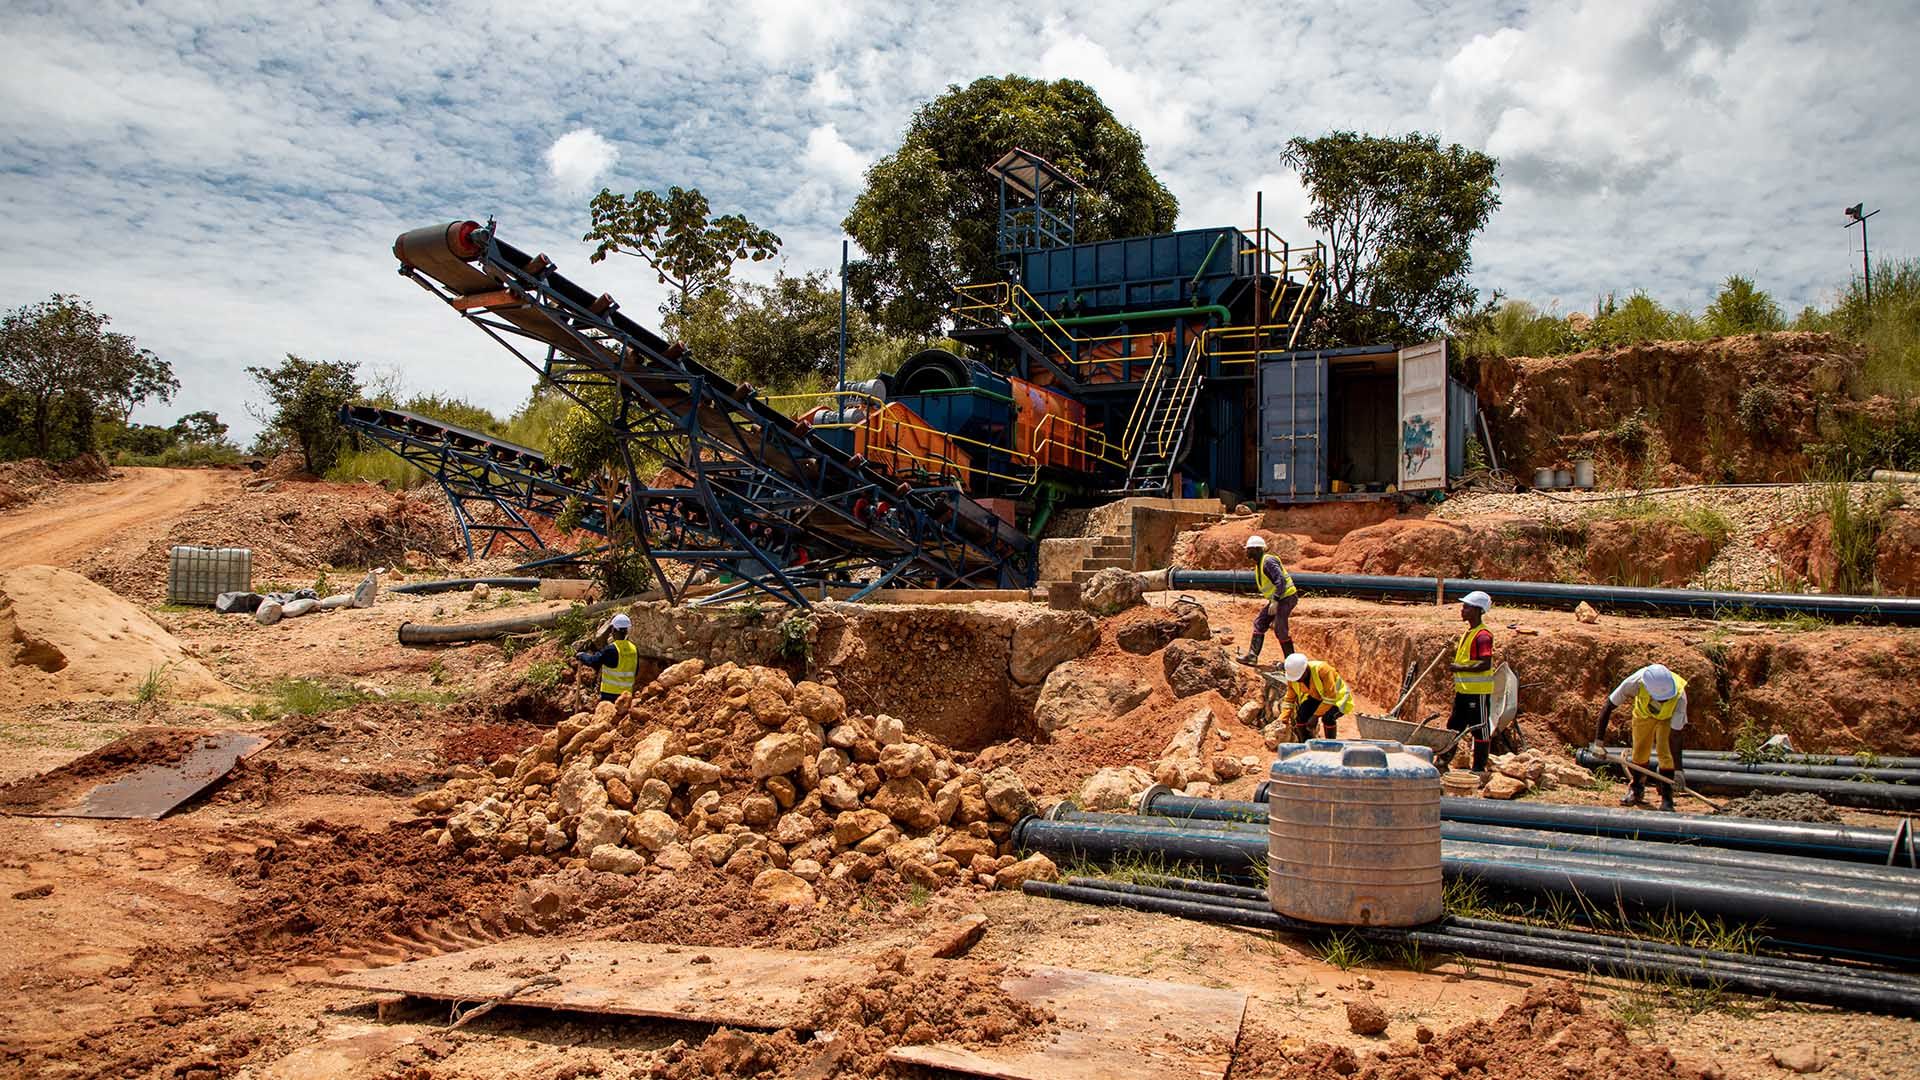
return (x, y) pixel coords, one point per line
(226, 179)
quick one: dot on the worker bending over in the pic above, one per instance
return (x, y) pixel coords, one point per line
(1659, 701)
(1276, 586)
(617, 662)
(1473, 676)
(1315, 691)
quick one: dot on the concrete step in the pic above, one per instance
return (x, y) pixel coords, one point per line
(1113, 551)
(1102, 564)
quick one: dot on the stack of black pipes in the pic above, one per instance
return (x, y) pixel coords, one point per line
(1820, 891)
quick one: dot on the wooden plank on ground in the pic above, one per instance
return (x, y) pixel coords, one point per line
(754, 988)
(1110, 1027)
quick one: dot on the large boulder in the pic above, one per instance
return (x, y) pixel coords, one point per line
(1112, 591)
(1007, 795)
(778, 754)
(613, 859)
(1194, 667)
(782, 889)
(1183, 619)
(1043, 640)
(1114, 788)
(906, 801)
(1076, 692)
(600, 825)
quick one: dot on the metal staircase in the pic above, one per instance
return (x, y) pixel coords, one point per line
(1162, 417)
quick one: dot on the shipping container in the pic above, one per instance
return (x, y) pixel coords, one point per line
(1361, 422)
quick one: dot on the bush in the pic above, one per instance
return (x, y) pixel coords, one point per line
(1856, 445)
(1759, 409)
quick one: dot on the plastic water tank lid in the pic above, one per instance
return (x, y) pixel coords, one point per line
(1363, 757)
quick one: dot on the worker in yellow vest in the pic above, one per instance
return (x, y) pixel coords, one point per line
(617, 662)
(1276, 587)
(1659, 706)
(1473, 676)
(1315, 691)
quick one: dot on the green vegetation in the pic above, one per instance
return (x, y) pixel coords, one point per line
(1400, 215)
(927, 215)
(67, 383)
(151, 688)
(545, 674)
(1344, 950)
(1889, 328)
(1855, 527)
(796, 638)
(1704, 521)
(310, 697)
(304, 399)
(689, 251)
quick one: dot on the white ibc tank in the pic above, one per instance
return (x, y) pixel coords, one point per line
(198, 575)
(1353, 833)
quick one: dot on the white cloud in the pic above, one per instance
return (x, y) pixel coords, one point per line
(830, 155)
(577, 159)
(257, 163)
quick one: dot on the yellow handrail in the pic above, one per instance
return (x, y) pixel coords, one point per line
(1138, 417)
(1096, 444)
(1013, 302)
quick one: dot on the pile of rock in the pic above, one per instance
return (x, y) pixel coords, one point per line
(1192, 762)
(743, 769)
(1511, 775)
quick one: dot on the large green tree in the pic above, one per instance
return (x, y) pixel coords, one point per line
(303, 405)
(690, 251)
(927, 217)
(1743, 309)
(1400, 215)
(770, 335)
(60, 361)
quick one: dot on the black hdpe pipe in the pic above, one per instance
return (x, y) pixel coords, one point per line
(1600, 955)
(1889, 609)
(1888, 774)
(421, 588)
(1850, 843)
(1797, 866)
(1856, 793)
(412, 633)
(1845, 913)
(1874, 761)
(1794, 866)
(1488, 929)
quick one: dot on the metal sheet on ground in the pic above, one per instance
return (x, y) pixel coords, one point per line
(754, 988)
(1110, 1028)
(152, 791)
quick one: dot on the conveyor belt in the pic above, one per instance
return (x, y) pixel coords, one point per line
(787, 511)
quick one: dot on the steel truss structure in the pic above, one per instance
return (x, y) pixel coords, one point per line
(478, 470)
(747, 490)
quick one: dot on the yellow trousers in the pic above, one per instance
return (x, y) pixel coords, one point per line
(1649, 734)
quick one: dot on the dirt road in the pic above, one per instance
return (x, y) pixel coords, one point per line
(83, 517)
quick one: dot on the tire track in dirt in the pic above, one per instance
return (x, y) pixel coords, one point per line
(60, 530)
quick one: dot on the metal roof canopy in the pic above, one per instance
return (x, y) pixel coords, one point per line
(1029, 174)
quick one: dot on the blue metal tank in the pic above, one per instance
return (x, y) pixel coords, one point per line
(1353, 834)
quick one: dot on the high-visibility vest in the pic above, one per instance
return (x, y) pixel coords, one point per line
(1471, 682)
(617, 678)
(1267, 585)
(1323, 684)
(1645, 708)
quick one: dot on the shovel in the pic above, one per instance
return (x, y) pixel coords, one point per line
(1395, 711)
(1659, 779)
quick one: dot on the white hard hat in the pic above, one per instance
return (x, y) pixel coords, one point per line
(1478, 599)
(1256, 543)
(621, 622)
(1294, 667)
(1659, 682)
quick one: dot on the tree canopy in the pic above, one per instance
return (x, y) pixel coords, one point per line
(1400, 215)
(690, 251)
(1742, 309)
(770, 335)
(65, 370)
(927, 217)
(304, 399)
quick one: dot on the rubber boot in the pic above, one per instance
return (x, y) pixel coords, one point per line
(1636, 791)
(1330, 728)
(1286, 647)
(1666, 790)
(1252, 655)
(1480, 750)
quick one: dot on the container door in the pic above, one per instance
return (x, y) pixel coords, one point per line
(1423, 416)
(1293, 426)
